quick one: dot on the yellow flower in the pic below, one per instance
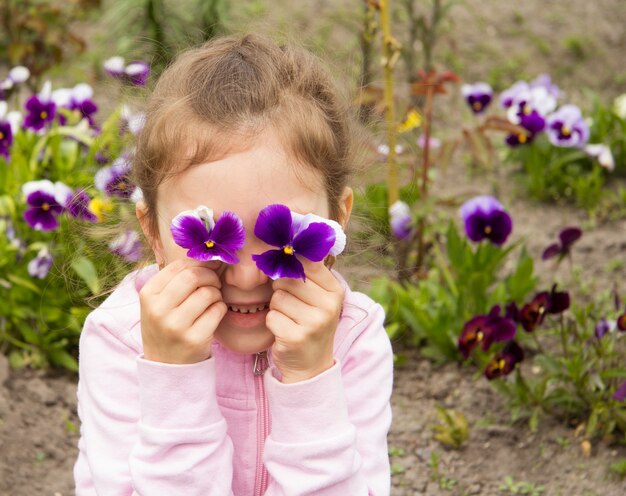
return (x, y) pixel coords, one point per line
(413, 120)
(100, 207)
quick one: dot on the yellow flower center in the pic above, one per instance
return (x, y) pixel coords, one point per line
(1, 135)
(45, 207)
(477, 106)
(288, 250)
(501, 364)
(479, 336)
(565, 131)
(521, 138)
(487, 229)
(43, 114)
(209, 244)
(121, 185)
(526, 110)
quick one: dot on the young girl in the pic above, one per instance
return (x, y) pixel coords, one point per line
(211, 378)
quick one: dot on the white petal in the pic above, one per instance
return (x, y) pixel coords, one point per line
(135, 68)
(206, 215)
(46, 92)
(340, 236)
(6, 84)
(136, 122)
(19, 74)
(3, 109)
(62, 193)
(102, 177)
(137, 195)
(114, 64)
(399, 209)
(82, 92)
(61, 97)
(44, 185)
(15, 120)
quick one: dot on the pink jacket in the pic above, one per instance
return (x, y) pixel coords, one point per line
(226, 426)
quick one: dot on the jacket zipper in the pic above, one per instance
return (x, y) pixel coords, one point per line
(260, 365)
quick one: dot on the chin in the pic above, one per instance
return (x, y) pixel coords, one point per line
(244, 341)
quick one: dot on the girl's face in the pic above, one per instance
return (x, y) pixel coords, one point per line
(243, 182)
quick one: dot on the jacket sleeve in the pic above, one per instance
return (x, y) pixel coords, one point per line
(146, 427)
(329, 433)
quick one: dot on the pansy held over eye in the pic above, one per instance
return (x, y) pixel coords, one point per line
(309, 236)
(207, 239)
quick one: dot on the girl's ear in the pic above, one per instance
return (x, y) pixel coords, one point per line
(345, 204)
(141, 211)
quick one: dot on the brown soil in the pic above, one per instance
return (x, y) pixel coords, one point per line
(581, 43)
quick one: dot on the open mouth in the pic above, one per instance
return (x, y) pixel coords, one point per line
(245, 309)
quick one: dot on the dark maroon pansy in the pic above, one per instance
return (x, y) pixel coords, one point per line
(567, 237)
(484, 330)
(553, 302)
(503, 363)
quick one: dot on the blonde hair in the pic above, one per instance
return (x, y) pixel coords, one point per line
(234, 87)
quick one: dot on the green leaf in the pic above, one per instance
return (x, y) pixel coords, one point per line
(63, 358)
(87, 272)
(25, 283)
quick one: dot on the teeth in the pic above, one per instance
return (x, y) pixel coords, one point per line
(256, 309)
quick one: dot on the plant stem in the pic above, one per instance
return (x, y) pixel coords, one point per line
(389, 57)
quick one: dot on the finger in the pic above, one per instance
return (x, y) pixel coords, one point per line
(309, 292)
(196, 303)
(287, 304)
(280, 325)
(321, 275)
(156, 283)
(185, 282)
(206, 324)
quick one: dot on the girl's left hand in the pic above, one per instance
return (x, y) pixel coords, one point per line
(303, 317)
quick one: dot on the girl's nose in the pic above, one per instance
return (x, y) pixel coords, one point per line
(244, 275)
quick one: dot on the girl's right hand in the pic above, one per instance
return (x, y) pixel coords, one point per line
(181, 306)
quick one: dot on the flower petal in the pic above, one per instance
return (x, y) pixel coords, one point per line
(301, 222)
(276, 264)
(314, 242)
(188, 230)
(205, 254)
(273, 225)
(228, 233)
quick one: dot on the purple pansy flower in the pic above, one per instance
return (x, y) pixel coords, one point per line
(127, 245)
(478, 96)
(603, 327)
(484, 330)
(40, 265)
(77, 205)
(135, 73)
(9, 125)
(40, 109)
(309, 236)
(206, 239)
(567, 237)
(566, 127)
(46, 201)
(485, 218)
(114, 180)
(620, 392)
(400, 219)
(503, 363)
(78, 98)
